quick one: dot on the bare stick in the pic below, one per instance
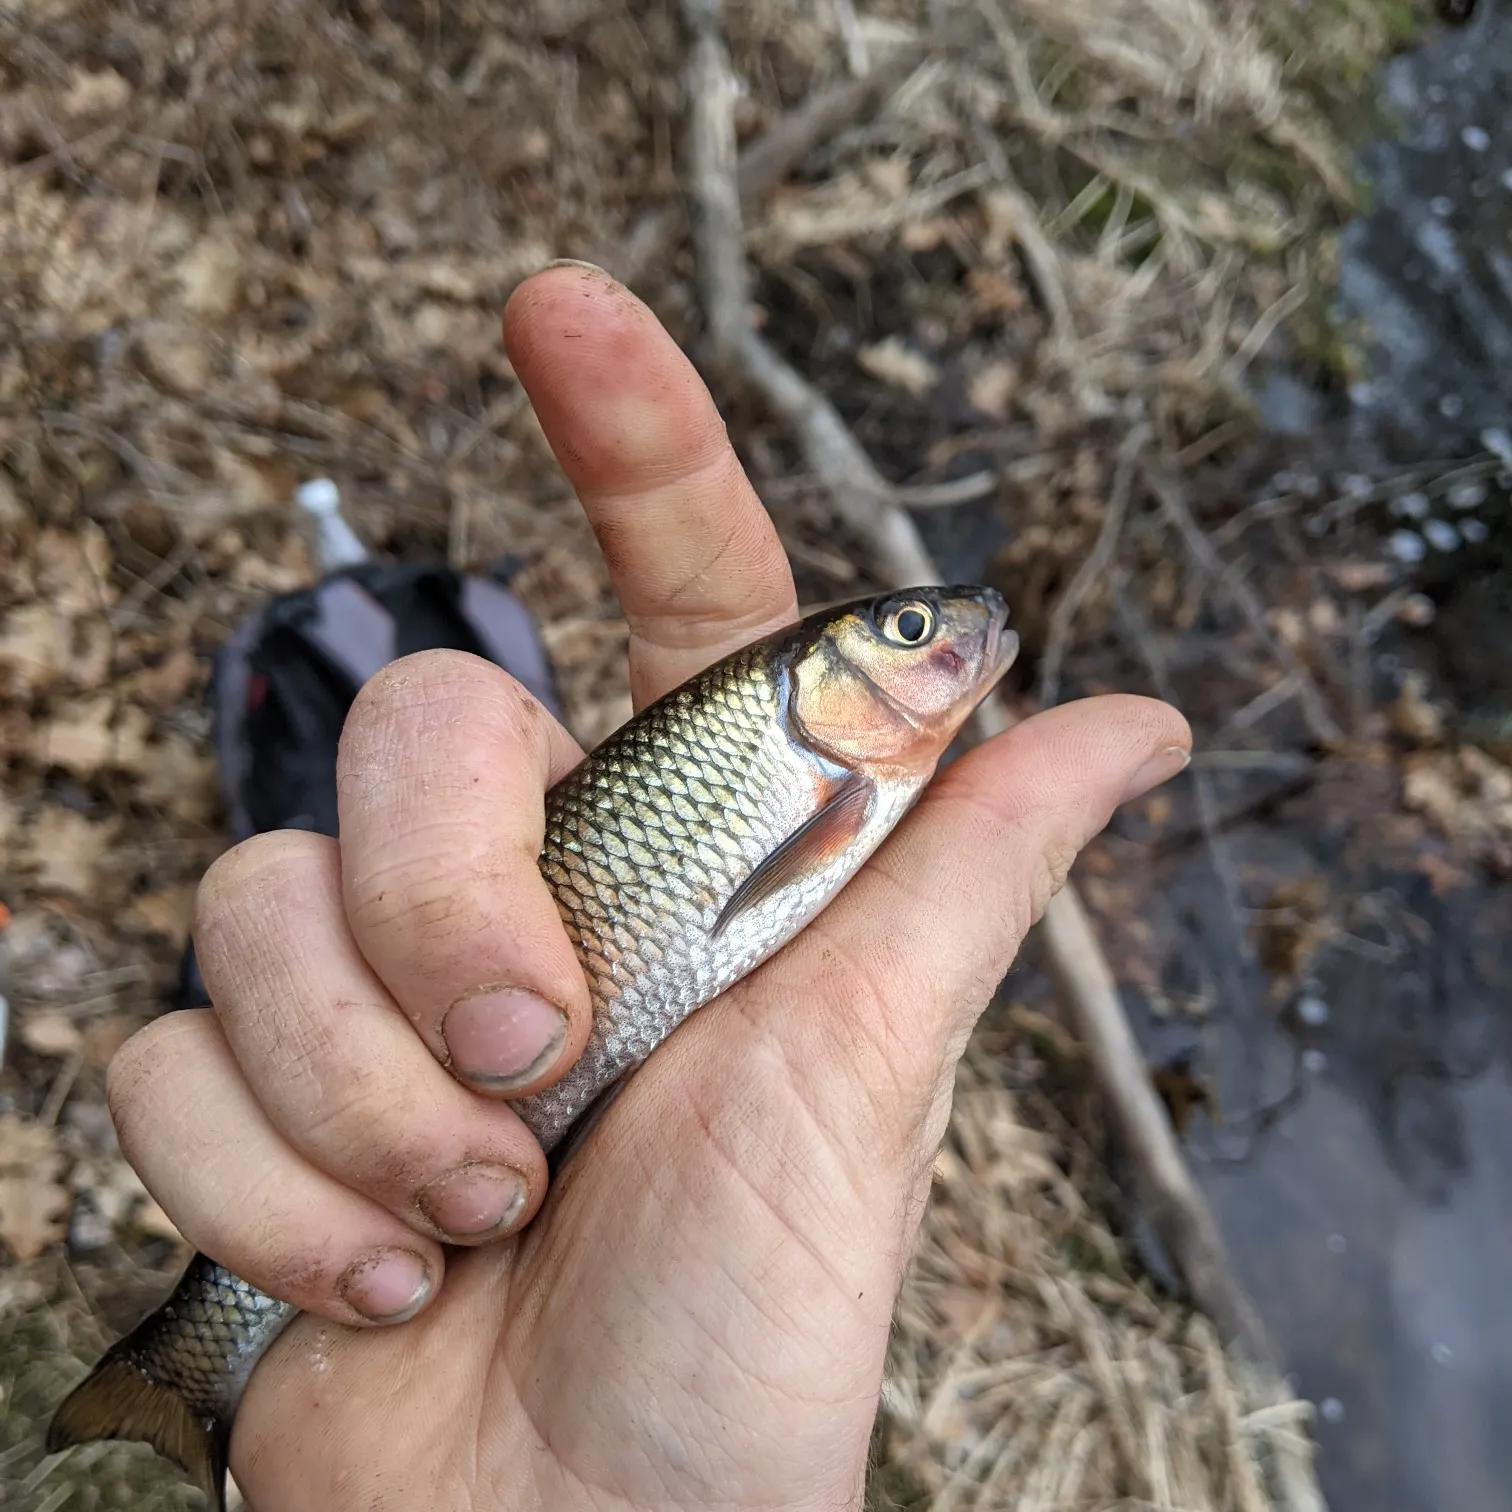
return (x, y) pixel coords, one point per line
(867, 504)
(764, 163)
(1096, 564)
(1176, 509)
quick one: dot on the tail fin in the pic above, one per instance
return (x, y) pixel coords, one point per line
(118, 1399)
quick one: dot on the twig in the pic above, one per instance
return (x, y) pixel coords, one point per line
(948, 494)
(1097, 563)
(1176, 509)
(867, 505)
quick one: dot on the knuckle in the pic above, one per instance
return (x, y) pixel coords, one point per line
(259, 869)
(133, 1078)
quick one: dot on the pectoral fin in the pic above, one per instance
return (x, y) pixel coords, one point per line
(809, 849)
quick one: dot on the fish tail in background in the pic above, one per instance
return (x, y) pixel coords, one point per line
(118, 1399)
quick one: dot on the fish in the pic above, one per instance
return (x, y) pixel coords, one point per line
(683, 852)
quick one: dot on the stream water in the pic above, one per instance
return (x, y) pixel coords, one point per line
(1362, 1170)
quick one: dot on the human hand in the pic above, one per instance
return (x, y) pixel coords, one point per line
(699, 1314)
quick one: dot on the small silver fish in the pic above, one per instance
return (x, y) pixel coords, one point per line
(688, 848)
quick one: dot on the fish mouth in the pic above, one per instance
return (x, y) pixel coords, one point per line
(1001, 645)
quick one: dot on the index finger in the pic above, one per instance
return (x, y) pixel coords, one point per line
(693, 555)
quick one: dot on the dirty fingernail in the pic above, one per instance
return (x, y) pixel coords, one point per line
(1161, 767)
(386, 1286)
(503, 1039)
(473, 1200)
(574, 262)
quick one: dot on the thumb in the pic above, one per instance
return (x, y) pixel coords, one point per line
(874, 1003)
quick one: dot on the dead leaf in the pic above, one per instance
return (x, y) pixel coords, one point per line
(1412, 716)
(162, 686)
(33, 1202)
(91, 735)
(177, 357)
(169, 912)
(1443, 875)
(73, 567)
(991, 389)
(48, 1032)
(181, 778)
(899, 365)
(1356, 576)
(210, 275)
(94, 94)
(33, 642)
(65, 850)
(995, 292)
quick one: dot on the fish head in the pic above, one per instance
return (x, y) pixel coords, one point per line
(889, 681)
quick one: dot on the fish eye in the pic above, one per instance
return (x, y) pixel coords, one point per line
(909, 624)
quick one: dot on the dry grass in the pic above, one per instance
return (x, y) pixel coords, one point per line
(1031, 1369)
(240, 246)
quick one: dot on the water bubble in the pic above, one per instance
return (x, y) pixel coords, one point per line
(1312, 1011)
(1314, 1061)
(1441, 205)
(1337, 1244)
(1475, 138)
(1442, 1354)
(1411, 506)
(1506, 178)
(1473, 530)
(1441, 535)
(1363, 395)
(1437, 93)
(1495, 438)
(1463, 63)
(1356, 486)
(1466, 495)
(1331, 1409)
(1451, 406)
(1407, 546)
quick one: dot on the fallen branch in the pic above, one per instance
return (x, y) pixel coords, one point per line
(867, 504)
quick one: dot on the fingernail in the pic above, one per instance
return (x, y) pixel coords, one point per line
(503, 1039)
(576, 262)
(473, 1200)
(1161, 767)
(386, 1286)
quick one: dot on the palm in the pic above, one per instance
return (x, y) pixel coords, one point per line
(696, 1318)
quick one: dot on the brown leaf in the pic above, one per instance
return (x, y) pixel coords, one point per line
(48, 1032)
(181, 778)
(90, 735)
(162, 686)
(991, 389)
(33, 1203)
(899, 365)
(169, 912)
(66, 849)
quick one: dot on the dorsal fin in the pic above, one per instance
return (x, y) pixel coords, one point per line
(811, 847)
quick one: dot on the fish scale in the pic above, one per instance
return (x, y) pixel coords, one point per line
(683, 852)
